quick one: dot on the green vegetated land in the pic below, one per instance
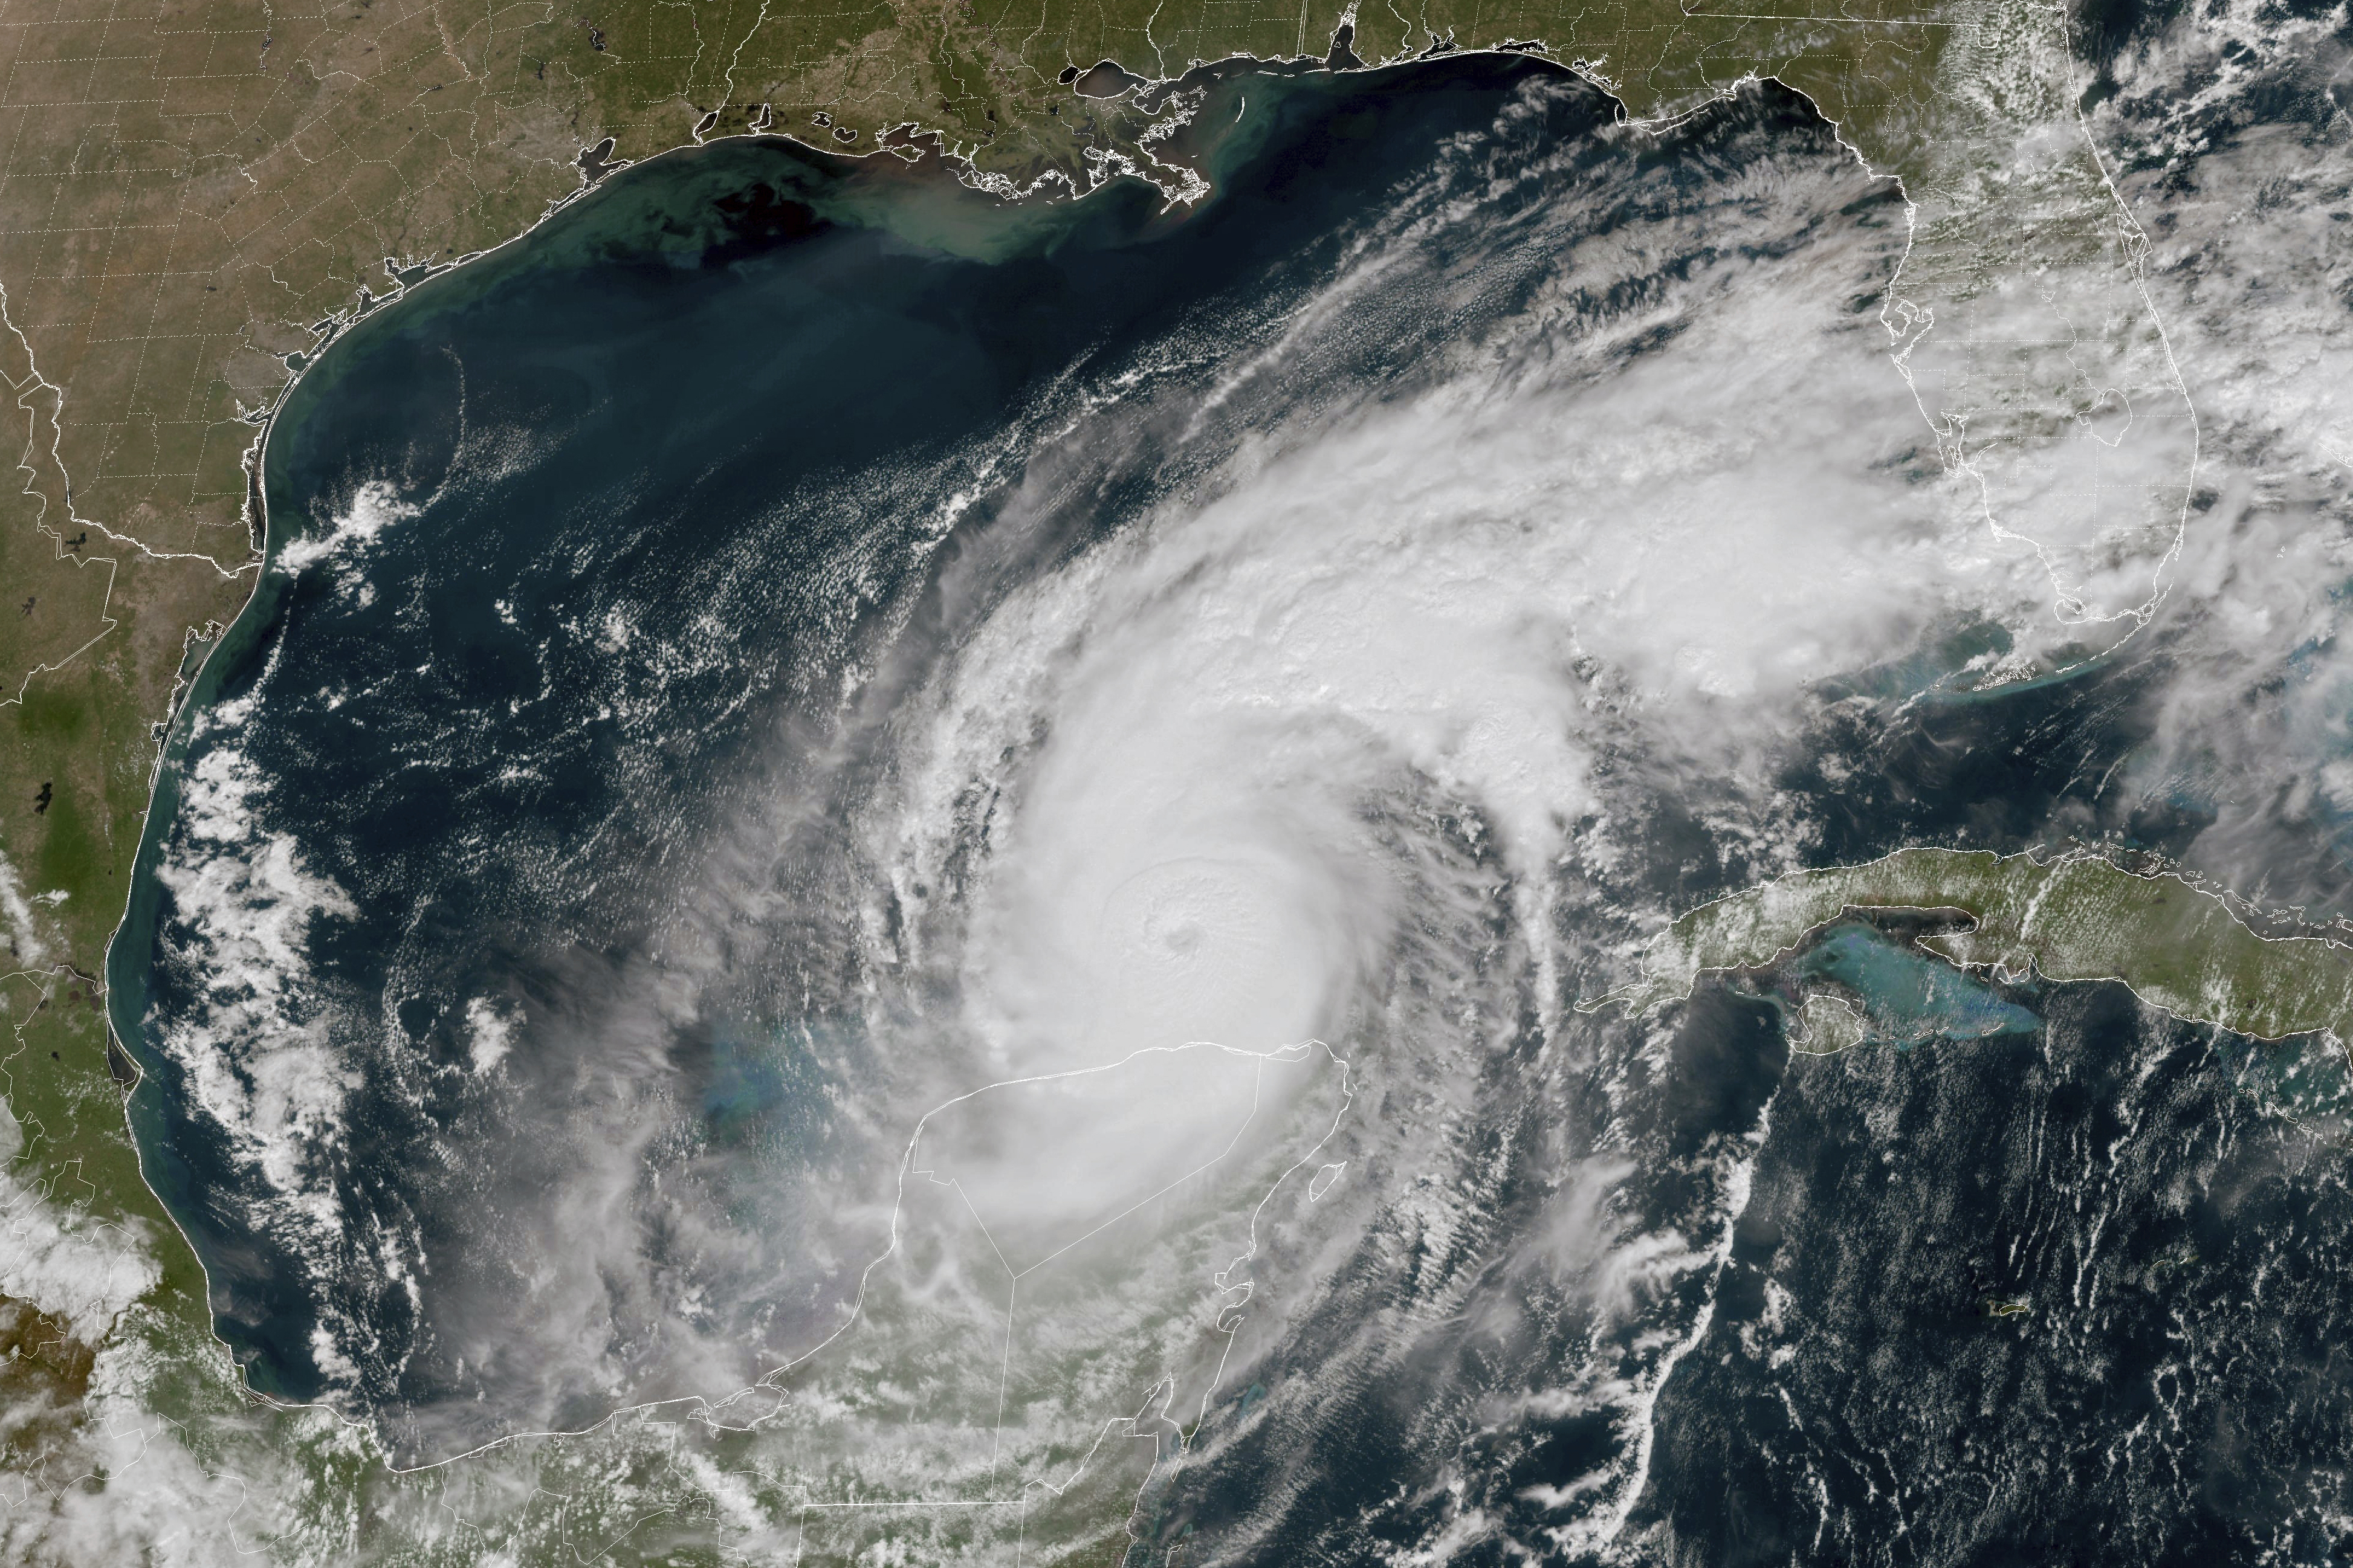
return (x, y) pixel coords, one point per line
(2071, 918)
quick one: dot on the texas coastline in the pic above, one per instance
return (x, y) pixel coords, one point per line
(663, 209)
(673, 211)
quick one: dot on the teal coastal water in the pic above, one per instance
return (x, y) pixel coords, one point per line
(1908, 996)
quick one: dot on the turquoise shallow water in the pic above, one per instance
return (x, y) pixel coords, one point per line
(1909, 996)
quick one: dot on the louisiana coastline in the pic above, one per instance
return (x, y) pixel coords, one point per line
(964, 838)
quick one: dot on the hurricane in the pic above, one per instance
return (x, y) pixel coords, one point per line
(980, 863)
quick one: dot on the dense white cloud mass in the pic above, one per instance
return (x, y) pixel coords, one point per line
(84, 1274)
(257, 1056)
(1180, 922)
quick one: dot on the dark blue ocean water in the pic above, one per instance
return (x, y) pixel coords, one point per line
(495, 902)
(620, 506)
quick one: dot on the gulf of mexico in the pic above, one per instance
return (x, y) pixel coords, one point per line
(558, 542)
